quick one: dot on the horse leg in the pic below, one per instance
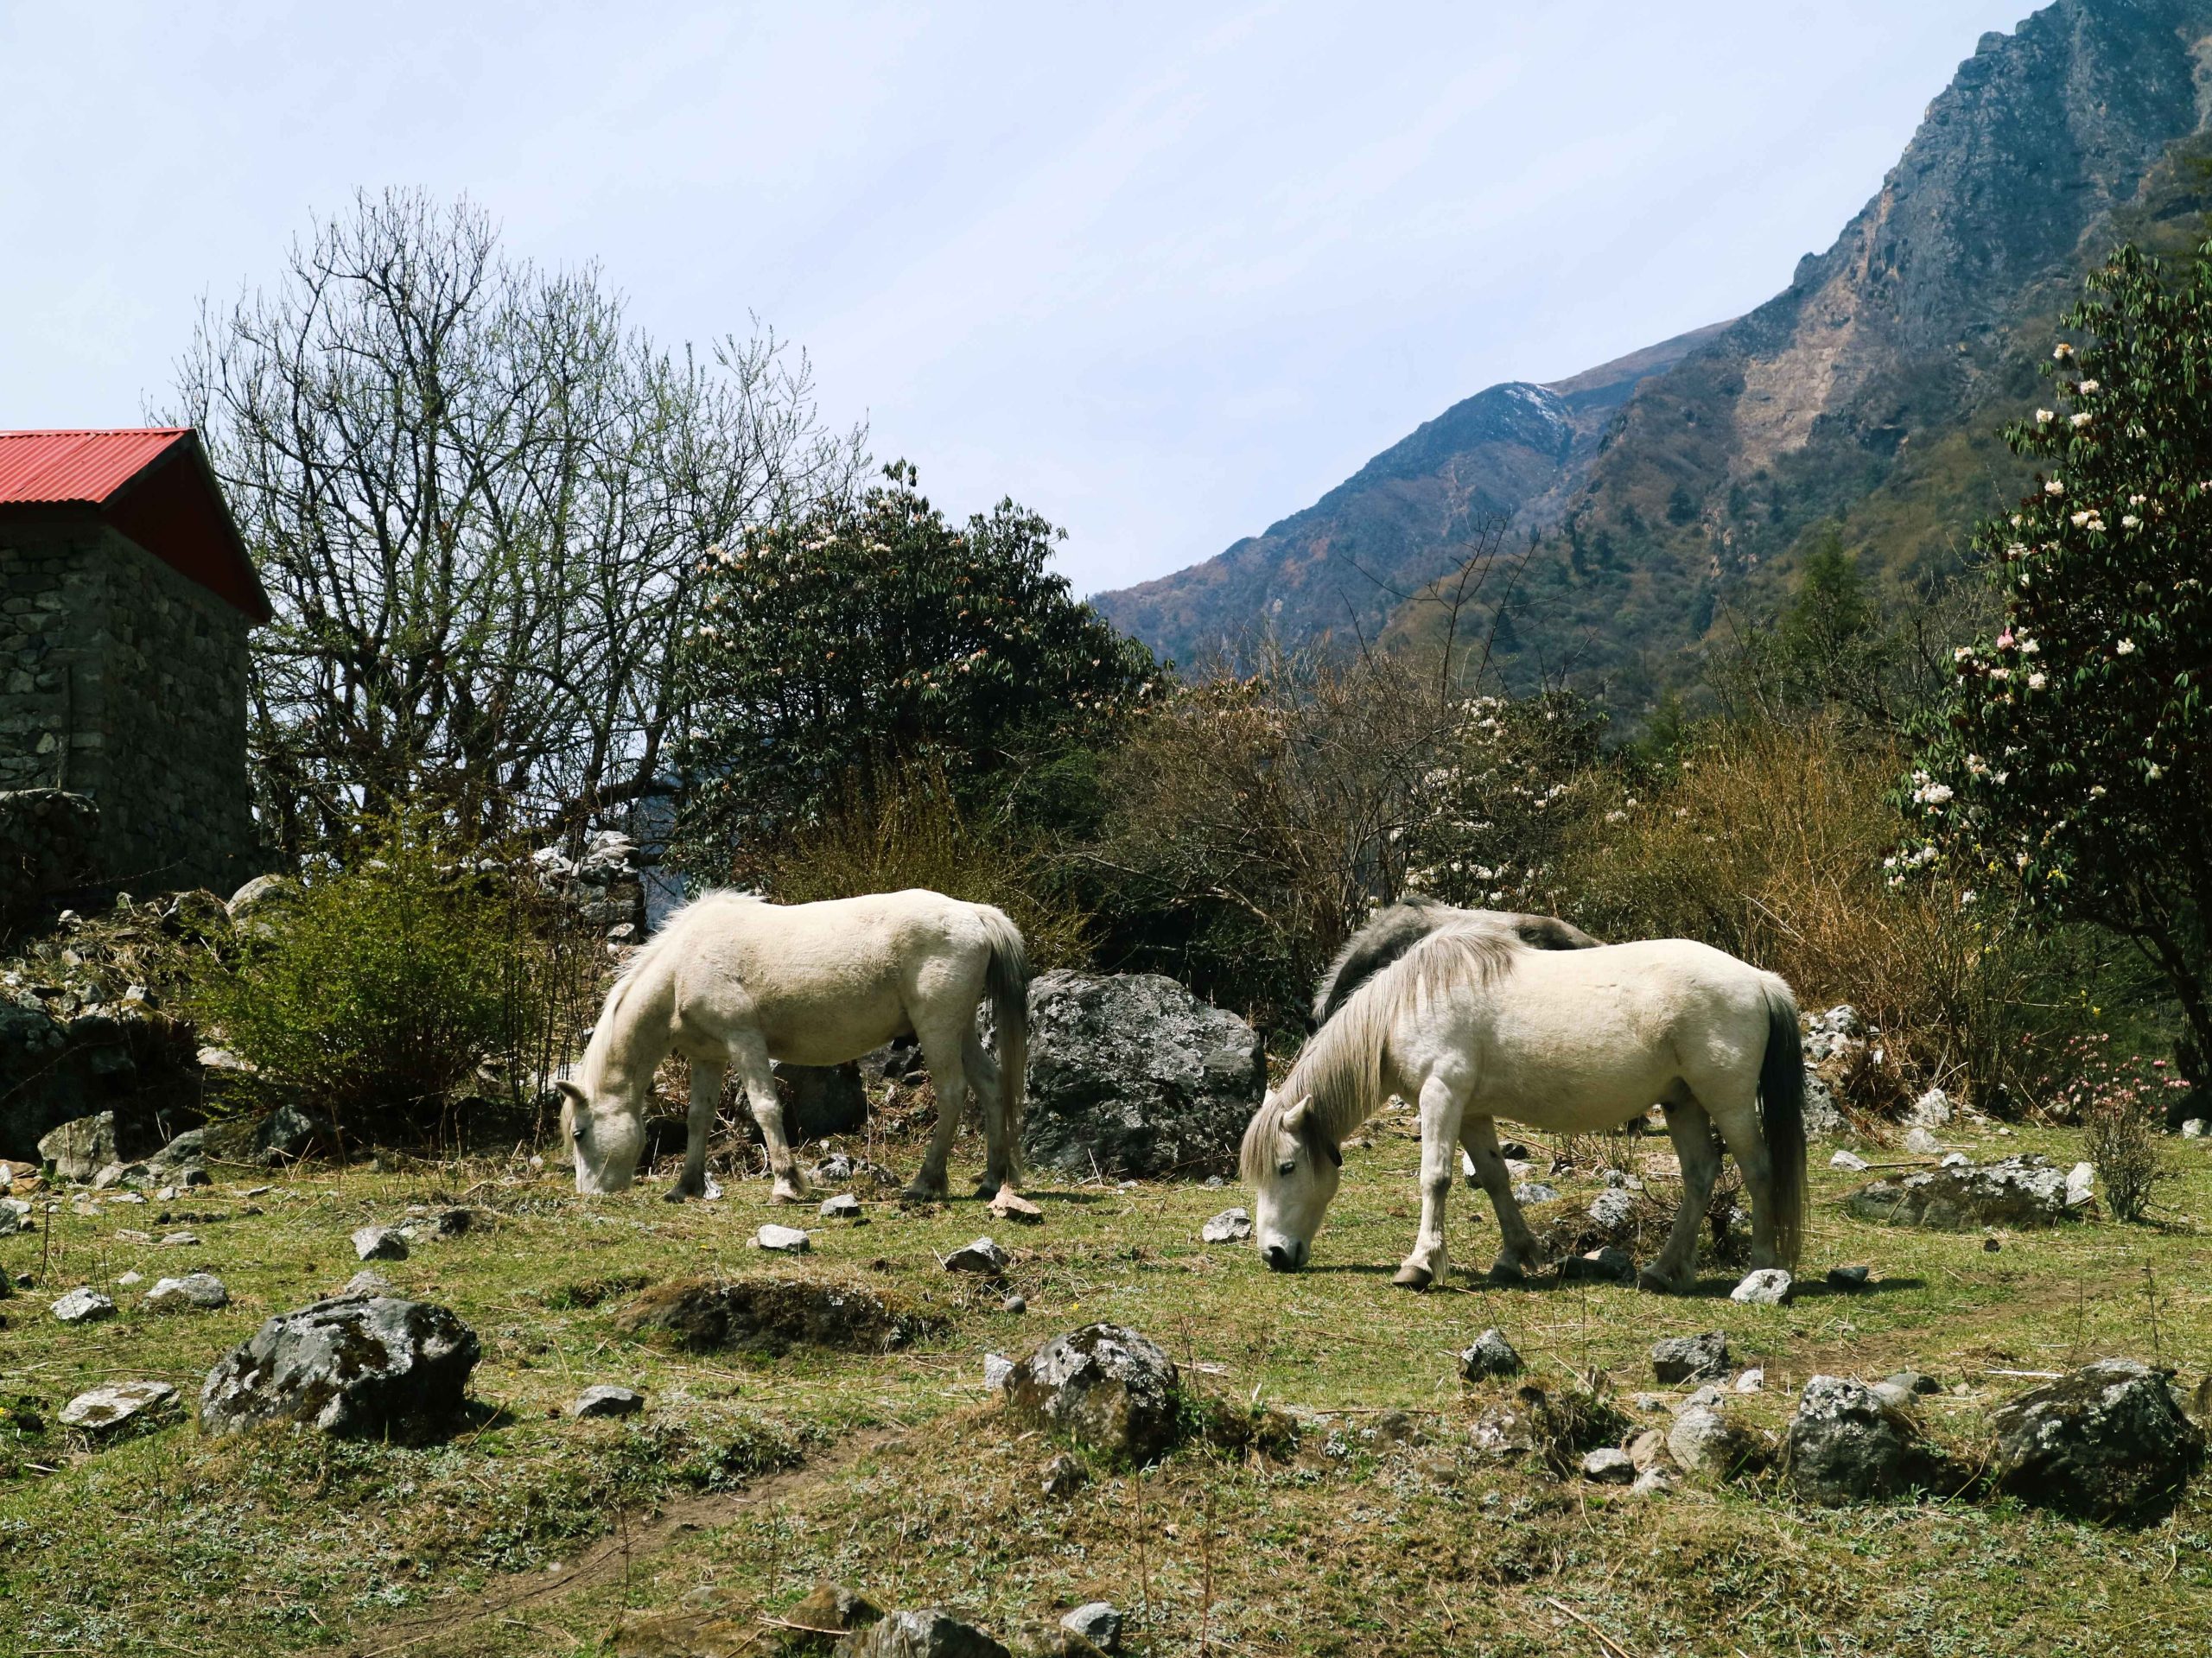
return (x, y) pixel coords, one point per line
(1440, 1106)
(1518, 1254)
(940, 1052)
(751, 1053)
(1675, 1271)
(1000, 1165)
(706, 1097)
(1738, 1121)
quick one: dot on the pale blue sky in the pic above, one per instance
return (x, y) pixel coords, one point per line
(1163, 272)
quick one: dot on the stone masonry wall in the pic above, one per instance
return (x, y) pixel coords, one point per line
(124, 680)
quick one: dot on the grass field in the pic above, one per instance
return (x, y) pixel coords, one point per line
(752, 1477)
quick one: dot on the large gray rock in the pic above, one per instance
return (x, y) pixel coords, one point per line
(925, 1634)
(1104, 1386)
(373, 1366)
(819, 1101)
(2021, 1190)
(2108, 1440)
(1131, 1076)
(79, 1149)
(1848, 1444)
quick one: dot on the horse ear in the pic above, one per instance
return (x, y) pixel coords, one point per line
(570, 1092)
(1294, 1121)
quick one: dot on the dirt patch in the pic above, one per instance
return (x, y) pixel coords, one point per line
(772, 1314)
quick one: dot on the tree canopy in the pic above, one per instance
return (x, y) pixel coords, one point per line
(2072, 760)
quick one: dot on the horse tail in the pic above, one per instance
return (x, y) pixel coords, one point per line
(1005, 981)
(1782, 1118)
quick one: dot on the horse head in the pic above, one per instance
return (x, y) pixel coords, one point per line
(1295, 1168)
(606, 1133)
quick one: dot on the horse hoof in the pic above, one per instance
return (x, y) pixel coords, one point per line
(922, 1194)
(1657, 1283)
(785, 1193)
(1508, 1272)
(678, 1194)
(1412, 1278)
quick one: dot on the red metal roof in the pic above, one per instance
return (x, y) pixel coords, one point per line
(58, 468)
(152, 484)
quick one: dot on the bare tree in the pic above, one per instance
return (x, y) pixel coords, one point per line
(478, 499)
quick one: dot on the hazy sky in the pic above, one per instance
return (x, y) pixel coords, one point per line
(1164, 273)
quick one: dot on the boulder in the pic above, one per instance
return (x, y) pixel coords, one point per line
(606, 1400)
(2109, 1441)
(982, 1256)
(104, 1409)
(997, 1368)
(1931, 1110)
(2026, 1189)
(1823, 1117)
(80, 1148)
(1097, 1622)
(1491, 1356)
(287, 1132)
(1769, 1287)
(1230, 1226)
(818, 1100)
(926, 1634)
(374, 1366)
(1104, 1386)
(1848, 1444)
(194, 1292)
(1132, 1077)
(82, 1305)
(1707, 1441)
(259, 905)
(1690, 1358)
(1608, 1465)
(379, 1244)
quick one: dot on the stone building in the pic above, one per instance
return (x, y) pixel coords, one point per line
(126, 599)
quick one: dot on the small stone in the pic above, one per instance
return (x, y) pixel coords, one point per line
(1915, 1382)
(132, 1235)
(1648, 1450)
(1850, 1161)
(929, 1633)
(1769, 1287)
(1608, 1265)
(1490, 1356)
(2081, 1184)
(1931, 1110)
(606, 1398)
(365, 1283)
(83, 1306)
(1652, 1482)
(2195, 1128)
(1920, 1143)
(1215, 1183)
(130, 1278)
(1954, 1160)
(1613, 1208)
(1650, 1401)
(1690, 1358)
(1014, 1303)
(996, 1369)
(179, 1240)
(842, 1207)
(1750, 1381)
(1097, 1622)
(1230, 1226)
(1104, 1386)
(1011, 1205)
(1847, 1281)
(379, 1244)
(1608, 1466)
(782, 1240)
(1535, 1192)
(1706, 1442)
(1889, 1393)
(981, 1256)
(126, 1197)
(195, 1292)
(104, 1409)
(1711, 1396)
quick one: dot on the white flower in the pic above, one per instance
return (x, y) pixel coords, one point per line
(2020, 860)
(1962, 654)
(2000, 778)
(2088, 385)
(2124, 648)
(2077, 421)
(2129, 521)
(2029, 647)
(2137, 500)
(2060, 352)
(1966, 898)
(2096, 792)
(1890, 862)
(1616, 817)
(2036, 682)
(2154, 771)
(1977, 766)
(1932, 794)
(2044, 417)
(2000, 673)
(2081, 518)
(2053, 487)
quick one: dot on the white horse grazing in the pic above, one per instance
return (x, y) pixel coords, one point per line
(733, 981)
(1472, 1024)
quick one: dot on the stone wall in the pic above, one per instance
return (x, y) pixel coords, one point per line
(124, 680)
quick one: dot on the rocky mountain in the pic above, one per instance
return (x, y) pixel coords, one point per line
(1511, 453)
(1861, 401)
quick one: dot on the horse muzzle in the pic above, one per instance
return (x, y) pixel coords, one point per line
(1283, 1255)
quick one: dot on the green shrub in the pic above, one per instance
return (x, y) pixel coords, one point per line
(380, 993)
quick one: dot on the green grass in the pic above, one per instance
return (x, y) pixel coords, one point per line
(752, 1477)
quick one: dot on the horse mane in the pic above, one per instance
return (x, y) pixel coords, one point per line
(648, 955)
(1341, 1067)
(1390, 933)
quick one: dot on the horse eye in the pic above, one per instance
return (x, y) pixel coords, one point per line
(1290, 1167)
(577, 1132)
